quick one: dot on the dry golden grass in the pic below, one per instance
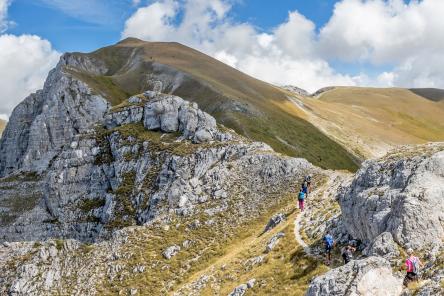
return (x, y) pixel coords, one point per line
(369, 121)
(2, 126)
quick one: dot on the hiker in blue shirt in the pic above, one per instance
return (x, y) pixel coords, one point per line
(329, 244)
(301, 199)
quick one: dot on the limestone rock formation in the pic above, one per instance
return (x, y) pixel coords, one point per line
(402, 194)
(370, 276)
(47, 120)
(168, 114)
(273, 242)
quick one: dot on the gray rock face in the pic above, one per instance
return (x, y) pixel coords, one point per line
(168, 114)
(401, 194)
(46, 121)
(370, 276)
(383, 246)
(239, 290)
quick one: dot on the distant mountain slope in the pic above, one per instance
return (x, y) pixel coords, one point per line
(253, 108)
(434, 94)
(369, 121)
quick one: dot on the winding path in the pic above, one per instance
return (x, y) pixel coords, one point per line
(325, 189)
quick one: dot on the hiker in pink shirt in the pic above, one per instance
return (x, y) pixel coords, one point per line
(413, 265)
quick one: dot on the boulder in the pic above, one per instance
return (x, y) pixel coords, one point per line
(370, 276)
(239, 290)
(274, 221)
(170, 252)
(274, 240)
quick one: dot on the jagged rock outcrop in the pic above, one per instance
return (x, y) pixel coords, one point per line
(168, 114)
(274, 240)
(274, 221)
(78, 168)
(296, 90)
(127, 174)
(370, 276)
(402, 194)
(47, 120)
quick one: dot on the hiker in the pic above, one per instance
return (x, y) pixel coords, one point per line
(329, 244)
(347, 253)
(301, 198)
(413, 265)
(304, 187)
(308, 180)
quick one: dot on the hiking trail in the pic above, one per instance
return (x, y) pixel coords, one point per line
(318, 195)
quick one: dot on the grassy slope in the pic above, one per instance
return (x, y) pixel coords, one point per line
(219, 89)
(370, 120)
(221, 254)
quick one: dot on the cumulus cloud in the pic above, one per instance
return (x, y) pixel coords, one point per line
(407, 37)
(404, 37)
(24, 64)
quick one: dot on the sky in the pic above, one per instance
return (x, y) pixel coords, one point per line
(309, 44)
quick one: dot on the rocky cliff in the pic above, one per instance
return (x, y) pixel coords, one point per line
(392, 203)
(402, 194)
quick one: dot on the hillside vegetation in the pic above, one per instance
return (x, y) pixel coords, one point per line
(370, 121)
(251, 107)
(2, 126)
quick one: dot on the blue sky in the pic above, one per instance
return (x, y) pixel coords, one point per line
(69, 29)
(309, 44)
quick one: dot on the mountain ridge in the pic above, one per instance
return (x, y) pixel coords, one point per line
(371, 121)
(253, 108)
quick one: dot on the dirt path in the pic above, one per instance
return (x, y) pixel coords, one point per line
(321, 193)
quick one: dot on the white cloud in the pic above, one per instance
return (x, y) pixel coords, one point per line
(407, 37)
(24, 64)
(3, 15)
(160, 16)
(99, 12)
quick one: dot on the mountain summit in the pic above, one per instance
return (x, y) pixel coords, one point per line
(253, 108)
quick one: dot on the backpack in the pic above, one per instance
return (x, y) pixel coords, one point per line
(415, 265)
(301, 195)
(328, 241)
